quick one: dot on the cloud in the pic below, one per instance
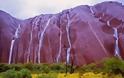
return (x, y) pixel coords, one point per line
(33, 7)
(29, 8)
(10, 6)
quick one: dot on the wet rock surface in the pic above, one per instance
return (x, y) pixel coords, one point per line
(80, 35)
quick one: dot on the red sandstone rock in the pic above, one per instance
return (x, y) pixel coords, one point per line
(84, 27)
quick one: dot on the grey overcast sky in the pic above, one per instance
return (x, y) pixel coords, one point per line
(28, 8)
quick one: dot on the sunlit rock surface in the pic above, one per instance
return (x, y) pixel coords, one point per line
(80, 35)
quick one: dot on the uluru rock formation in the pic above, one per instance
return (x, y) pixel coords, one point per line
(80, 35)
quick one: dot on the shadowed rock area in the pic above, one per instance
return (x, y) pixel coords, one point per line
(80, 35)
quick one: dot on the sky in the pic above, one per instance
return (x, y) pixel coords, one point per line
(24, 9)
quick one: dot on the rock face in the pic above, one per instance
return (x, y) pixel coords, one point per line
(81, 35)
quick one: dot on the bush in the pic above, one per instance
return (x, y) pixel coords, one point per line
(15, 66)
(37, 68)
(10, 74)
(45, 68)
(59, 68)
(114, 65)
(25, 73)
(28, 66)
(4, 67)
(88, 68)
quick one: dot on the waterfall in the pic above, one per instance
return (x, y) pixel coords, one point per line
(108, 23)
(91, 9)
(117, 51)
(11, 51)
(29, 48)
(60, 46)
(16, 35)
(69, 41)
(41, 38)
(35, 23)
(38, 19)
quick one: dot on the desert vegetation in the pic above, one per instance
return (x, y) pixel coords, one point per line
(109, 68)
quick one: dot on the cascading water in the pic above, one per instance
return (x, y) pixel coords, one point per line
(91, 9)
(41, 38)
(69, 41)
(38, 19)
(29, 49)
(60, 46)
(16, 35)
(108, 23)
(117, 51)
(35, 23)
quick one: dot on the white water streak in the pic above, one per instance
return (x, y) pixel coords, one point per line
(69, 41)
(91, 9)
(16, 35)
(30, 42)
(108, 23)
(29, 49)
(60, 46)
(11, 51)
(41, 38)
(117, 51)
(35, 23)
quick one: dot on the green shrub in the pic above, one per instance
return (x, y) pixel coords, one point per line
(114, 65)
(25, 73)
(15, 66)
(37, 68)
(28, 66)
(59, 68)
(4, 67)
(10, 74)
(45, 68)
(70, 68)
(88, 68)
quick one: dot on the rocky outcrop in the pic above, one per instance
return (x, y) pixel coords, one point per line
(80, 35)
